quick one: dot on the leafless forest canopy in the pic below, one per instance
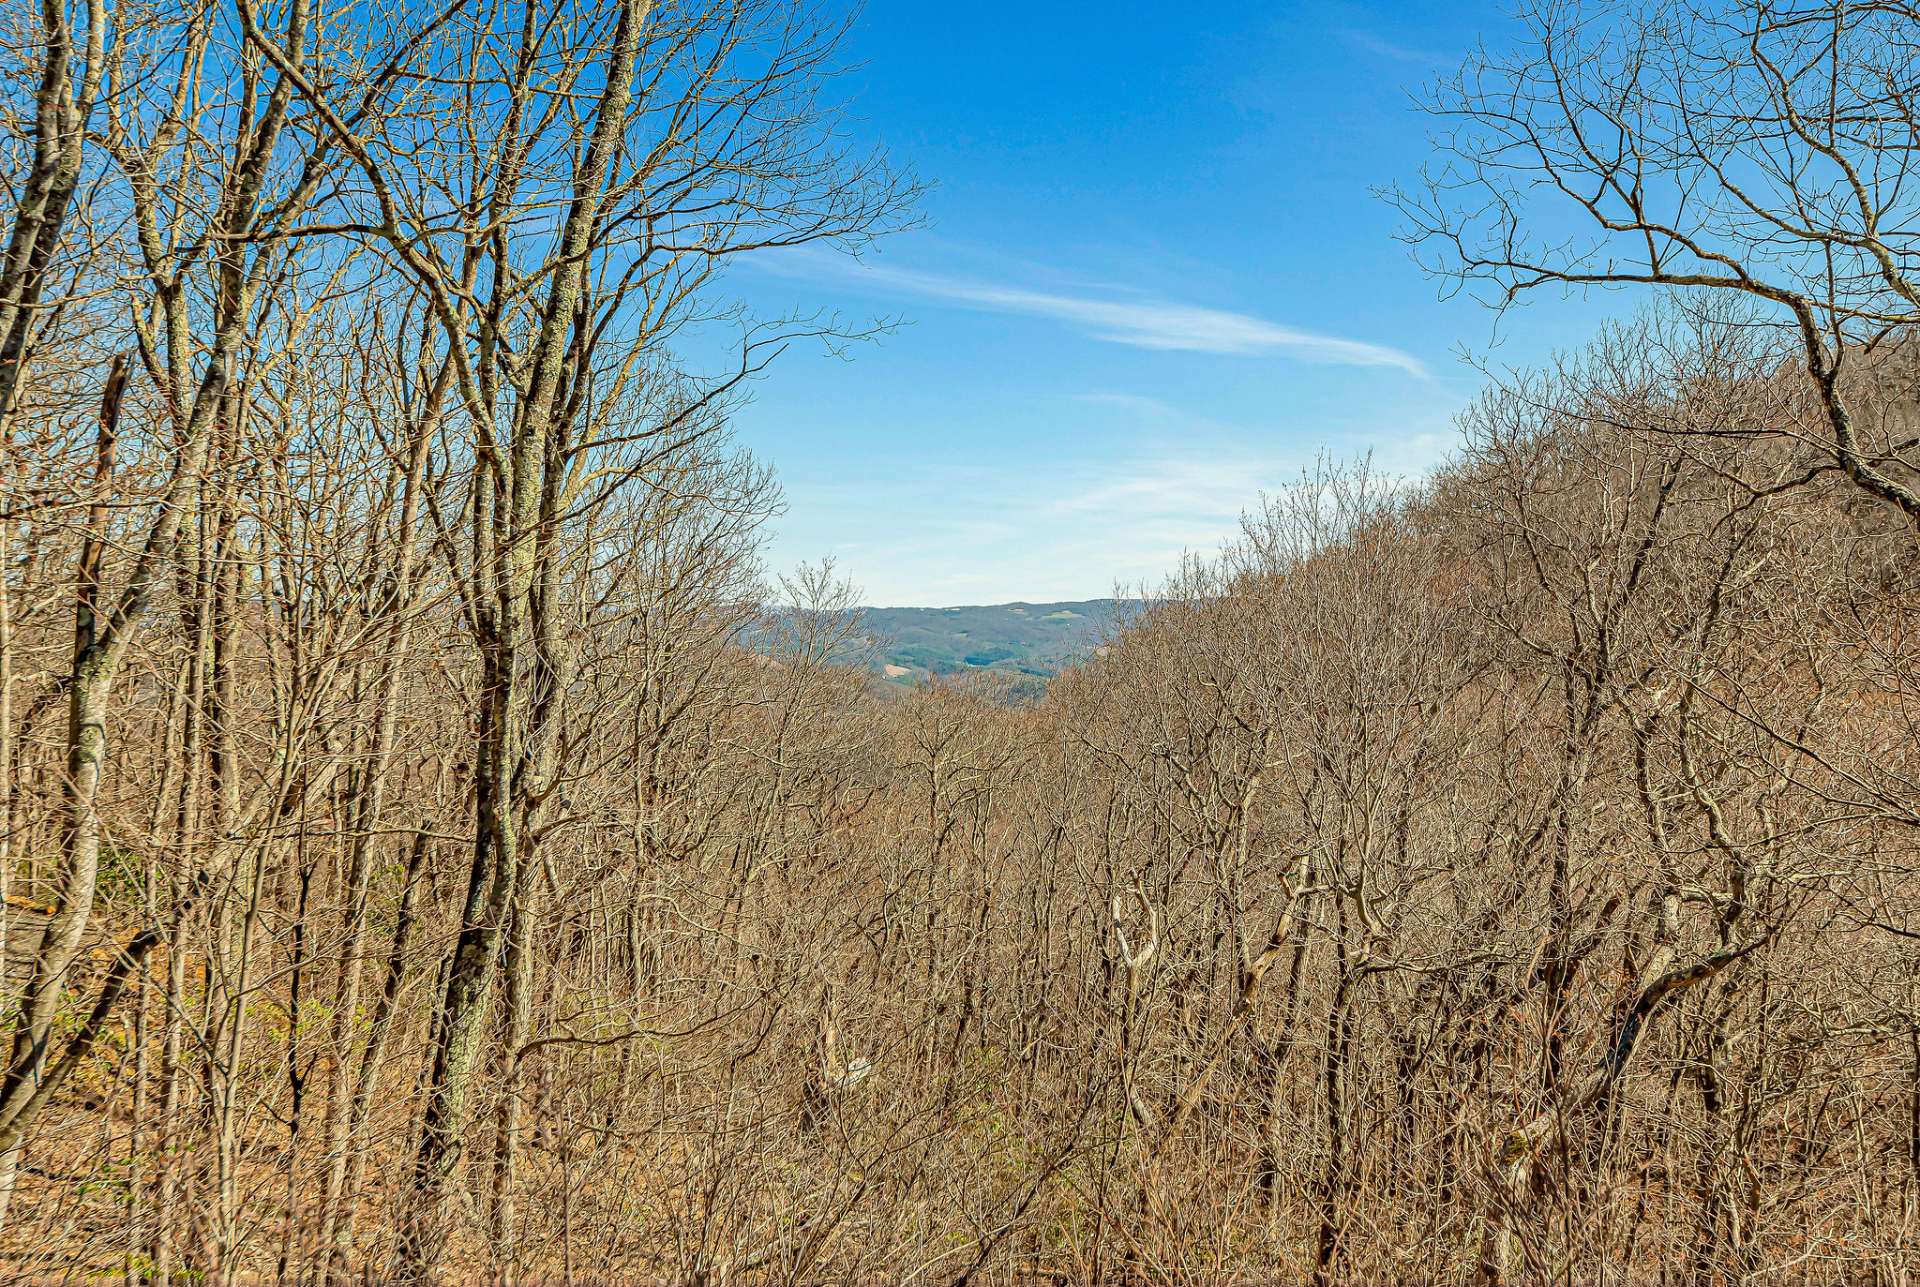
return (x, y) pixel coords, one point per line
(433, 849)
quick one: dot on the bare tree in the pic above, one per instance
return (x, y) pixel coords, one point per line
(1751, 148)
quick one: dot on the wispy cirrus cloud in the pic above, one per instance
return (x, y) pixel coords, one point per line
(1381, 47)
(1137, 320)
(1149, 323)
(1209, 490)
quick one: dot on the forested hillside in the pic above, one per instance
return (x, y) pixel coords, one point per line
(436, 848)
(1038, 640)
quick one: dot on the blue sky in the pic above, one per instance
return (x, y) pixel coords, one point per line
(1153, 282)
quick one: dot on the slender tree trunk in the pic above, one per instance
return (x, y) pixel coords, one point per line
(462, 1015)
(172, 1082)
(86, 755)
(515, 1030)
(503, 625)
(6, 722)
(368, 803)
(1336, 1183)
(379, 1025)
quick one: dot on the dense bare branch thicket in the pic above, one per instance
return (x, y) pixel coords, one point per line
(1759, 150)
(432, 848)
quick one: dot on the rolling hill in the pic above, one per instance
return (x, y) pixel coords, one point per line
(1036, 640)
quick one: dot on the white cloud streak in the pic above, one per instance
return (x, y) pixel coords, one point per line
(1137, 321)
(1156, 324)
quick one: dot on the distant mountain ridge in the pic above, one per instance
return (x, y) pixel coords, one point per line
(1035, 640)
